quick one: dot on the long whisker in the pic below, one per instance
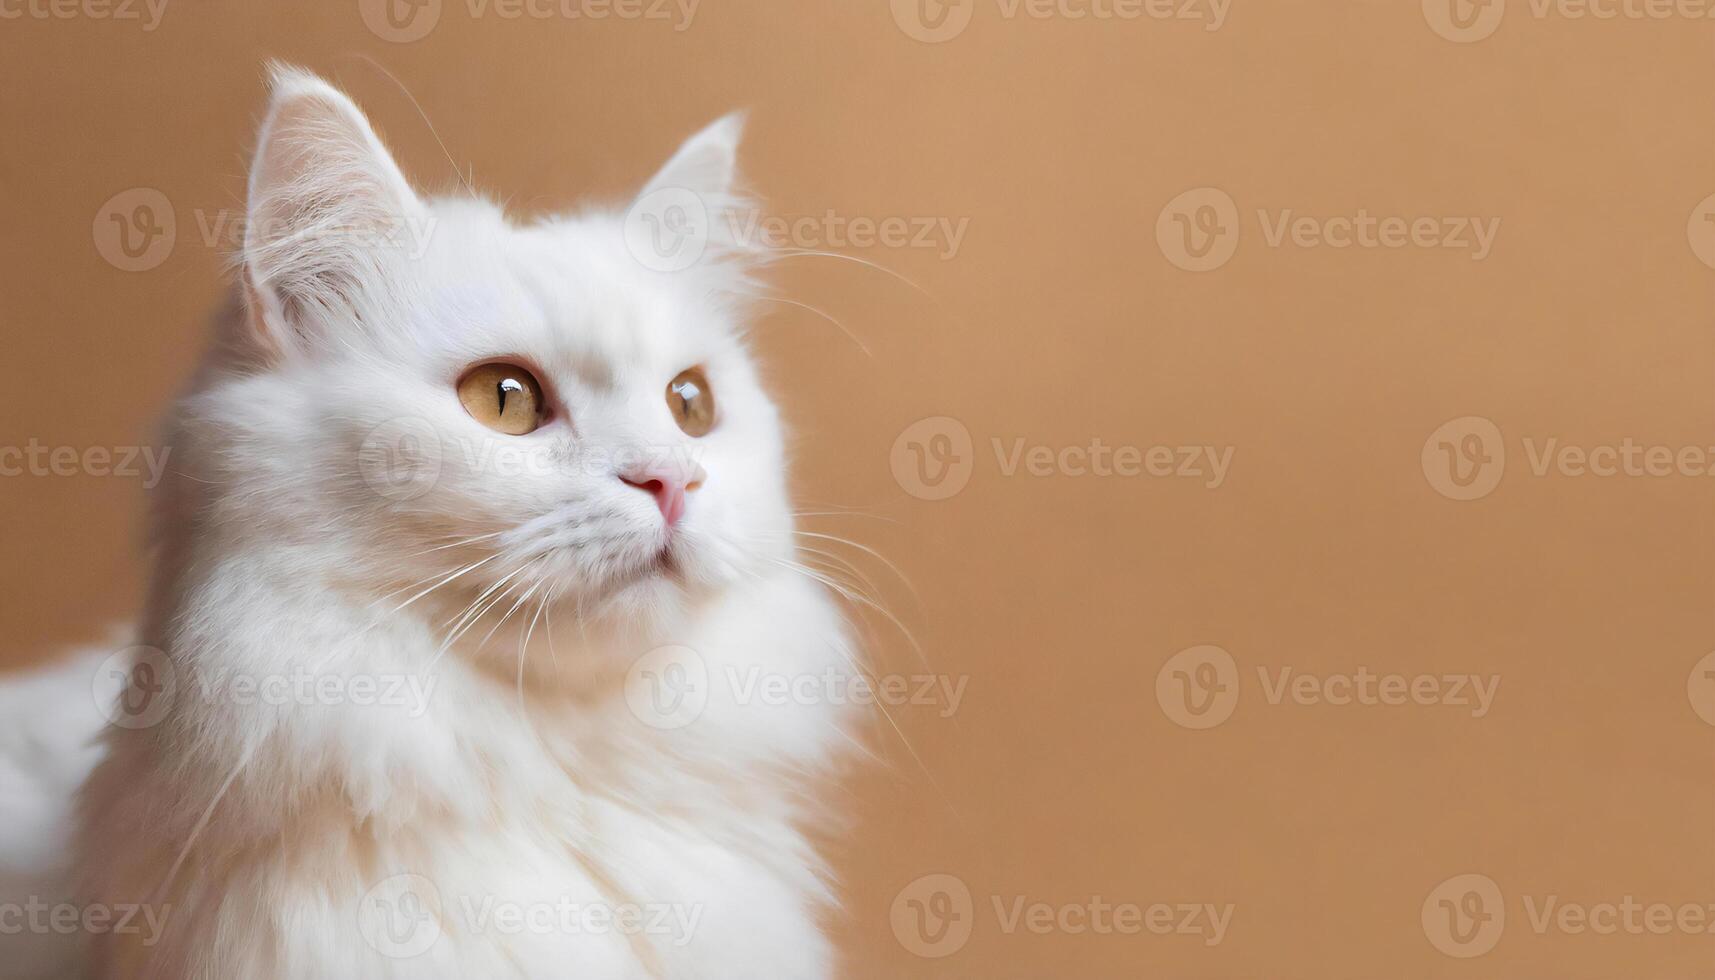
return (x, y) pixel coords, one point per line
(794, 253)
(425, 117)
(856, 598)
(878, 556)
(845, 513)
(202, 821)
(524, 650)
(508, 615)
(463, 571)
(473, 614)
(458, 543)
(824, 315)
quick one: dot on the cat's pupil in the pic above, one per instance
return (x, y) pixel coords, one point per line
(504, 386)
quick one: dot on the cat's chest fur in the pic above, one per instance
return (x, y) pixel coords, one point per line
(475, 834)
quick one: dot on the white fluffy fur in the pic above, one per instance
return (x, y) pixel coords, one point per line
(526, 777)
(47, 748)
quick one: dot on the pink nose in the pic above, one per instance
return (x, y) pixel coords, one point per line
(666, 486)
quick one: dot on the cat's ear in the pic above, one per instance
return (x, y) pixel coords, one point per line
(325, 203)
(707, 163)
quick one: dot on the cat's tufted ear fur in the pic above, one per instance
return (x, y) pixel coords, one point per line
(327, 211)
(706, 164)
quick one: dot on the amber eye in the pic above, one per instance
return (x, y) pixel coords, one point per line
(692, 402)
(504, 397)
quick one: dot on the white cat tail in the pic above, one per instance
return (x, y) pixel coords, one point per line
(50, 727)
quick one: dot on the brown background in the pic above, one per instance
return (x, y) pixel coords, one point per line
(1060, 320)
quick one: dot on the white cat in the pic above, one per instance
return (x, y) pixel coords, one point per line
(475, 542)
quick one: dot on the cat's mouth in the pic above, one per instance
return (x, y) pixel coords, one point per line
(662, 564)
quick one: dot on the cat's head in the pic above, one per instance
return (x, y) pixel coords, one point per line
(560, 407)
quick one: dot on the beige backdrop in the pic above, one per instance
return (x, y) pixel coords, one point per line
(1143, 229)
